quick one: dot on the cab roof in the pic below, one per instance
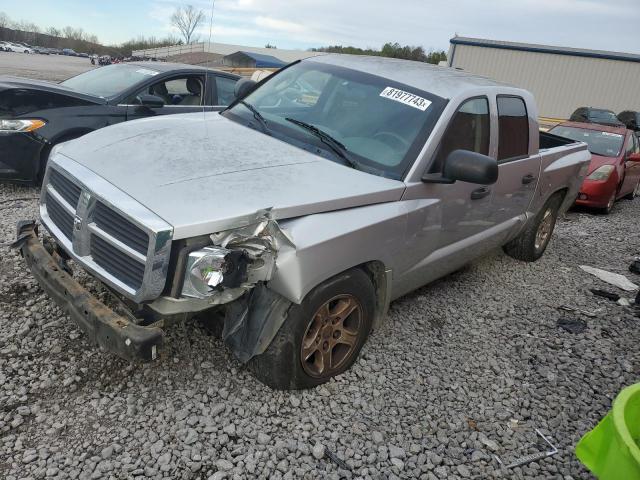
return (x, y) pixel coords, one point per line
(444, 82)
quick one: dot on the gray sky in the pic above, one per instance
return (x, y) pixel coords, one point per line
(597, 24)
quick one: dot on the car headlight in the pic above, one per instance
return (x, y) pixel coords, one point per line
(212, 268)
(601, 173)
(21, 125)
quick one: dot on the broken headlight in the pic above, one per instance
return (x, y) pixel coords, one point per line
(213, 268)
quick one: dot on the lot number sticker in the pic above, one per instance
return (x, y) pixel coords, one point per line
(407, 98)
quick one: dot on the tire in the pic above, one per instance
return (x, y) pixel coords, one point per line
(529, 246)
(312, 331)
(634, 193)
(609, 207)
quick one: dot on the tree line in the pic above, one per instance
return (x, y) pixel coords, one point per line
(392, 50)
(75, 38)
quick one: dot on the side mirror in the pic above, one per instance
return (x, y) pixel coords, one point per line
(243, 87)
(468, 167)
(150, 101)
(634, 157)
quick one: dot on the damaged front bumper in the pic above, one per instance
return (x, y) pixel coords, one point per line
(103, 326)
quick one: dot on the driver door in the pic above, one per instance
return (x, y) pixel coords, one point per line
(453, 223)
(181, 94)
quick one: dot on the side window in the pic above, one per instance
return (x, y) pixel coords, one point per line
(468, 130)
(631, 145)
(226, 90)
(513, 128)
(181, 91)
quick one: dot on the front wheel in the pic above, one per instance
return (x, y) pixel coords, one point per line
(633, 194)
(530, 245)
(322, 336)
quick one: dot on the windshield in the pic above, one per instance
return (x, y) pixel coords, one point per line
(600, 143)
(605, 116)
(377, 124)
(109, 81)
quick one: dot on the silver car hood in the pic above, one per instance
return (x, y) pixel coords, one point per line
(203, 173)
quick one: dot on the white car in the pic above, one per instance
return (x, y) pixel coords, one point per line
(15, 47)
(7, 47)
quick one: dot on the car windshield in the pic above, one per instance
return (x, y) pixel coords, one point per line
(604, 116)
(379, 125)
(109, 81)
(600, 143)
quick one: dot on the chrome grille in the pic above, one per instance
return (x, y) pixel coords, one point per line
(107, 232)
(59, 216)
(121, 228)
(117, 263)
(67, 189)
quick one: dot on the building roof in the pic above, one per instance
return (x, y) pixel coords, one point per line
(262, 60)
(444, 82)
(530, 47)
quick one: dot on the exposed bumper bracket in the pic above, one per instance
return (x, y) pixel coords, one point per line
(103, 326)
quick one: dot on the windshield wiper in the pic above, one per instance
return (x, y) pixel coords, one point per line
(335, 145)
(256, 114)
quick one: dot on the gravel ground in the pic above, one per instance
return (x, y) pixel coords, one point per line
(42, 67)
(465, 368)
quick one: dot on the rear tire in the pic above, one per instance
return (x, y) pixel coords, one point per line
(321, 337)
(531, 244)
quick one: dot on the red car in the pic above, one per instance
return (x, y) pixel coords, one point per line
(614, 171)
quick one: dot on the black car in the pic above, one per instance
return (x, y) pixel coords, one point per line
(601, 116)
(631, 119)
(36, 115)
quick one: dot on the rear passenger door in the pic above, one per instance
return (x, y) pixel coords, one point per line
(519, 172)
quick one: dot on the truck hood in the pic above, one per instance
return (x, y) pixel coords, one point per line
(21, 96)
(203, 173)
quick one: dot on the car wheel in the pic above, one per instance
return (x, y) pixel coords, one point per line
(612, 200)
(531, 244)
(633, 194)
(321, 337)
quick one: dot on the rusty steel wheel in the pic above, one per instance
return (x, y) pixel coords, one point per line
(331, 337)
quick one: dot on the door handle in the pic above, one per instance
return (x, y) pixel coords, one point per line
(528, 179)
(480, 193)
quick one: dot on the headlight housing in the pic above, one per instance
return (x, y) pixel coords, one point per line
(7, 125)
(212, 268)
(601, 173)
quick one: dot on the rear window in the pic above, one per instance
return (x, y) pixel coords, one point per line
(600, 143)
(513, 124)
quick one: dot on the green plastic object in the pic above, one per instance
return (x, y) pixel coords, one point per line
(612, 450)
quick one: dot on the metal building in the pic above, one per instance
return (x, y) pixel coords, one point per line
(252, 60)
(561, 78)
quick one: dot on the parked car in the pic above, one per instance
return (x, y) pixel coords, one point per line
(41, 50)
(36, 115)
(69, 52)
(17, 47)
(55, 51)
(631, 119)
(601, 116)
(614, 171)
(297, 218)
(7, 47)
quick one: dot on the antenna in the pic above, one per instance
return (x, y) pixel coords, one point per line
(213, 4)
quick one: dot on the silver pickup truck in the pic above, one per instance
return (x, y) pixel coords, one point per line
(298, 214)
